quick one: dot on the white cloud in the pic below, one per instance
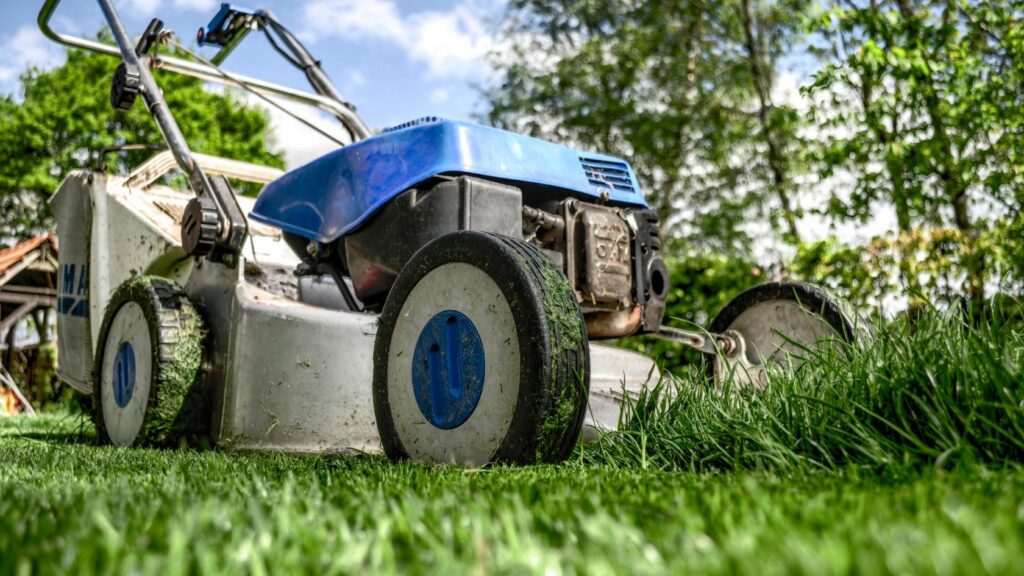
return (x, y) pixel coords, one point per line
(450, 44)
(357, 19)
(148, 8)
(201, 5)
(26, 47)
(294, 140)
(439, 95)
(143, 8)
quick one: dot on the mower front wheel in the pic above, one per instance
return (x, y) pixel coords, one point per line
(148, 365)
(780, 323)
(481, 356)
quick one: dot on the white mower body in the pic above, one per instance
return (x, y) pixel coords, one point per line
(281, 375)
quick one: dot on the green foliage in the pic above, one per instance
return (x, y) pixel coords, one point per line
(863, 276)
(681, 89)
(64, 120)
(923, 105)
(868, 275)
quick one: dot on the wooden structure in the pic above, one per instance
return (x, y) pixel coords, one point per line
(28, 287)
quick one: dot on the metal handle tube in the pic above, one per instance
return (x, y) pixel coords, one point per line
(207, 73)
(310, 66)
(160, 113)
(151, 94)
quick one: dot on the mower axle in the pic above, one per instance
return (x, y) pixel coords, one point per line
(706, 342)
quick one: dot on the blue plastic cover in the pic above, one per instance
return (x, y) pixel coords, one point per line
(334, 194)
(448, 369)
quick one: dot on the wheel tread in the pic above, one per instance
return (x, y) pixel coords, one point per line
(175, 409)
(570, 356)
(554, 352)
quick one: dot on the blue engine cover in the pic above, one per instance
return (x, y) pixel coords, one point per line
(334, 194)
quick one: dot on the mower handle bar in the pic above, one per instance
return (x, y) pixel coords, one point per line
(333, 107)
(231, 227)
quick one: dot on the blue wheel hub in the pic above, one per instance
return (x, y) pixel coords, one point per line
(448, 369)
(124, 374)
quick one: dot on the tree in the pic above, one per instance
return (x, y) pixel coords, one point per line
(683, 90)
(926, 100)
(64, 121)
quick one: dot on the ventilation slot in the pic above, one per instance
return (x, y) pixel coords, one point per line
(608, 174)
(414, 123)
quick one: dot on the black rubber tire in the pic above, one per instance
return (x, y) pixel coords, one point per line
(176, 410)
(809, 296)
(554, 352)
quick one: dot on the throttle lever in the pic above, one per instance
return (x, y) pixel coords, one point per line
(149, 37)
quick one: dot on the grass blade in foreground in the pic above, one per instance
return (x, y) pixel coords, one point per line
(936, 393)
(72, 507)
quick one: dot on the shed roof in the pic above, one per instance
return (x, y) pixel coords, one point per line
(12, 255)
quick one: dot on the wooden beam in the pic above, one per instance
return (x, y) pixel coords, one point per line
(13, 289)
(19, 313)
(35, 299)
(25, 262)
(43, 265)
(7, 380)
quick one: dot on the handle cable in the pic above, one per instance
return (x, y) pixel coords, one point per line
(169, 39)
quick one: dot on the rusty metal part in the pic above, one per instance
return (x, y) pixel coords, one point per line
(550, 227)
(729, 349)
(610, 256)
(735, 366)
(613, 324)
(701, 341)
(606, 261)
(598, 256)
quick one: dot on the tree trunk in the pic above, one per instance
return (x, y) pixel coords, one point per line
(762, 86)
(39, 318)
(895, 170)
(949, 168)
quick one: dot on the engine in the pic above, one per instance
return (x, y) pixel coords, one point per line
(610, 254)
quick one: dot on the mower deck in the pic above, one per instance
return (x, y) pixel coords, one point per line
(286, 376)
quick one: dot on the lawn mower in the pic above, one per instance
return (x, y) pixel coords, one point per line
(434, 290)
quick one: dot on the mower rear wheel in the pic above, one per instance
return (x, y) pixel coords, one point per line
(481, 356)
(148, 366)
(779, 323)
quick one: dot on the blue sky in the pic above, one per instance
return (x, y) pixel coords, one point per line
(395, 59)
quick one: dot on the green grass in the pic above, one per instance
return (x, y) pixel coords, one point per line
(897, 458)
(941, 392)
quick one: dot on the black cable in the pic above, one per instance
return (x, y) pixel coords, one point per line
(277, 47)
(304, 55)
(261, 96)
(339, 279)
(297, 55)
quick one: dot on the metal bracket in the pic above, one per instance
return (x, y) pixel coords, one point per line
(701, 341)
(227, 29)
(729, 351)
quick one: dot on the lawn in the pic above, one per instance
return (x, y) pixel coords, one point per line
(911, 465)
